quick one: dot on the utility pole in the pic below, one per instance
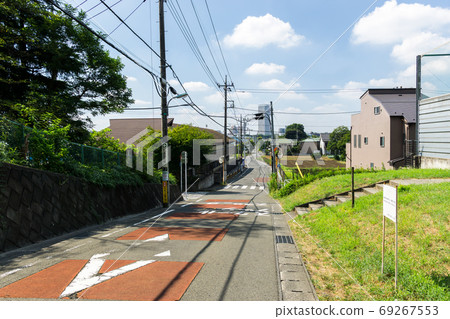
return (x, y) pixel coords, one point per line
(241, 144)
(225, 150)
(274, 169)
(164, 108)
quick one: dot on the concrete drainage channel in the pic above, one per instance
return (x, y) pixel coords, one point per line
(296, 284)
(340, 198)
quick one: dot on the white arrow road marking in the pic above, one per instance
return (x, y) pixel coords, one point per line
(158, 238)
(163, 254)
(87, 277)
(264, 210)
(263, 214)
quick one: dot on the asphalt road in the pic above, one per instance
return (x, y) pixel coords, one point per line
(214, 245)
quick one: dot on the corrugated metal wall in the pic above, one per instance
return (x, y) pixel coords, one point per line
(434, 127)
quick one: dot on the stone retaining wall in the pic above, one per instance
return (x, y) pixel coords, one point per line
(37, 205)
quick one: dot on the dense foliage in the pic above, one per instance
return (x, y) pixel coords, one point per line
(50, 62)
(338, 141)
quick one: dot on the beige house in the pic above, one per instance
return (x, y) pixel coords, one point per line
(383, 132)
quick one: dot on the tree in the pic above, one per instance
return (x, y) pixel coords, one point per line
(296, 132)
(338, 140)
(49, 62)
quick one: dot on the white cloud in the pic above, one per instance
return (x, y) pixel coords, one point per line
(214, 99)
(393, 22)
(259, 32)
(196, 86)
(131, 79)
(416, 44)
(265, 68)
(142, 102)
(276, 84)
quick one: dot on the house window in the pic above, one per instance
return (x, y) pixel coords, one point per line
(382, 141)
(354, 141)
(372, 166)
(359, 141)
(366, 140)
(376, 110)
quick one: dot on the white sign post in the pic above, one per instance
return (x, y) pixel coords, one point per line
(390, 197)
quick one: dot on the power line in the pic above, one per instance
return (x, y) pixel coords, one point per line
(206, 40)
(304, 113)
(84, 25)
(104, 10)
(129, 28)
(328, 49)
(127, 17)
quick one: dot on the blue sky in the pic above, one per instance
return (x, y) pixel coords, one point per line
(326, 52)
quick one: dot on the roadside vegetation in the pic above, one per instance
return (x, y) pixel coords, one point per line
(341, 245)
(321, 186)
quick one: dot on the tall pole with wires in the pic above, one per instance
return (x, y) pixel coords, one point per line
(226, 88)
(164, 108)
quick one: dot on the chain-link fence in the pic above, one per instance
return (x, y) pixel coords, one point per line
(17, 138)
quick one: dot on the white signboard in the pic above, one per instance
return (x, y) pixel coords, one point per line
(390, 202)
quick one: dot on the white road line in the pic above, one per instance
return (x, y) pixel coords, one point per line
(199, 200)
(228, 186)
(244, 187)
(107, 235)
(186, 204)
(261, 187)
(69, 249)
(234, 187)
(17, 269)
(253, 187)
(143, 221)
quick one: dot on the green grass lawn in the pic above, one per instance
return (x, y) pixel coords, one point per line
(353, 238)
(337, 184)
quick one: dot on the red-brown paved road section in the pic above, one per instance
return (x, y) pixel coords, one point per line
(177, 233)
(161, 280)
(203, 216)
(46, 284)
(216, 206)
(228, 200)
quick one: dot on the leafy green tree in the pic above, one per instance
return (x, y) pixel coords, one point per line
(338, 140)
(50, 62)
(103, 139)
(296, 132)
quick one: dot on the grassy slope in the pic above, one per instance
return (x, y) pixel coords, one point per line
(337, 184)
(353, 237)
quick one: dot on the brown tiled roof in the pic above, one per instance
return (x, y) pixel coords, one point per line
(124, 129)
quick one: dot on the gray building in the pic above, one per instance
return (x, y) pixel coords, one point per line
(434, 132)
(264, 124)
